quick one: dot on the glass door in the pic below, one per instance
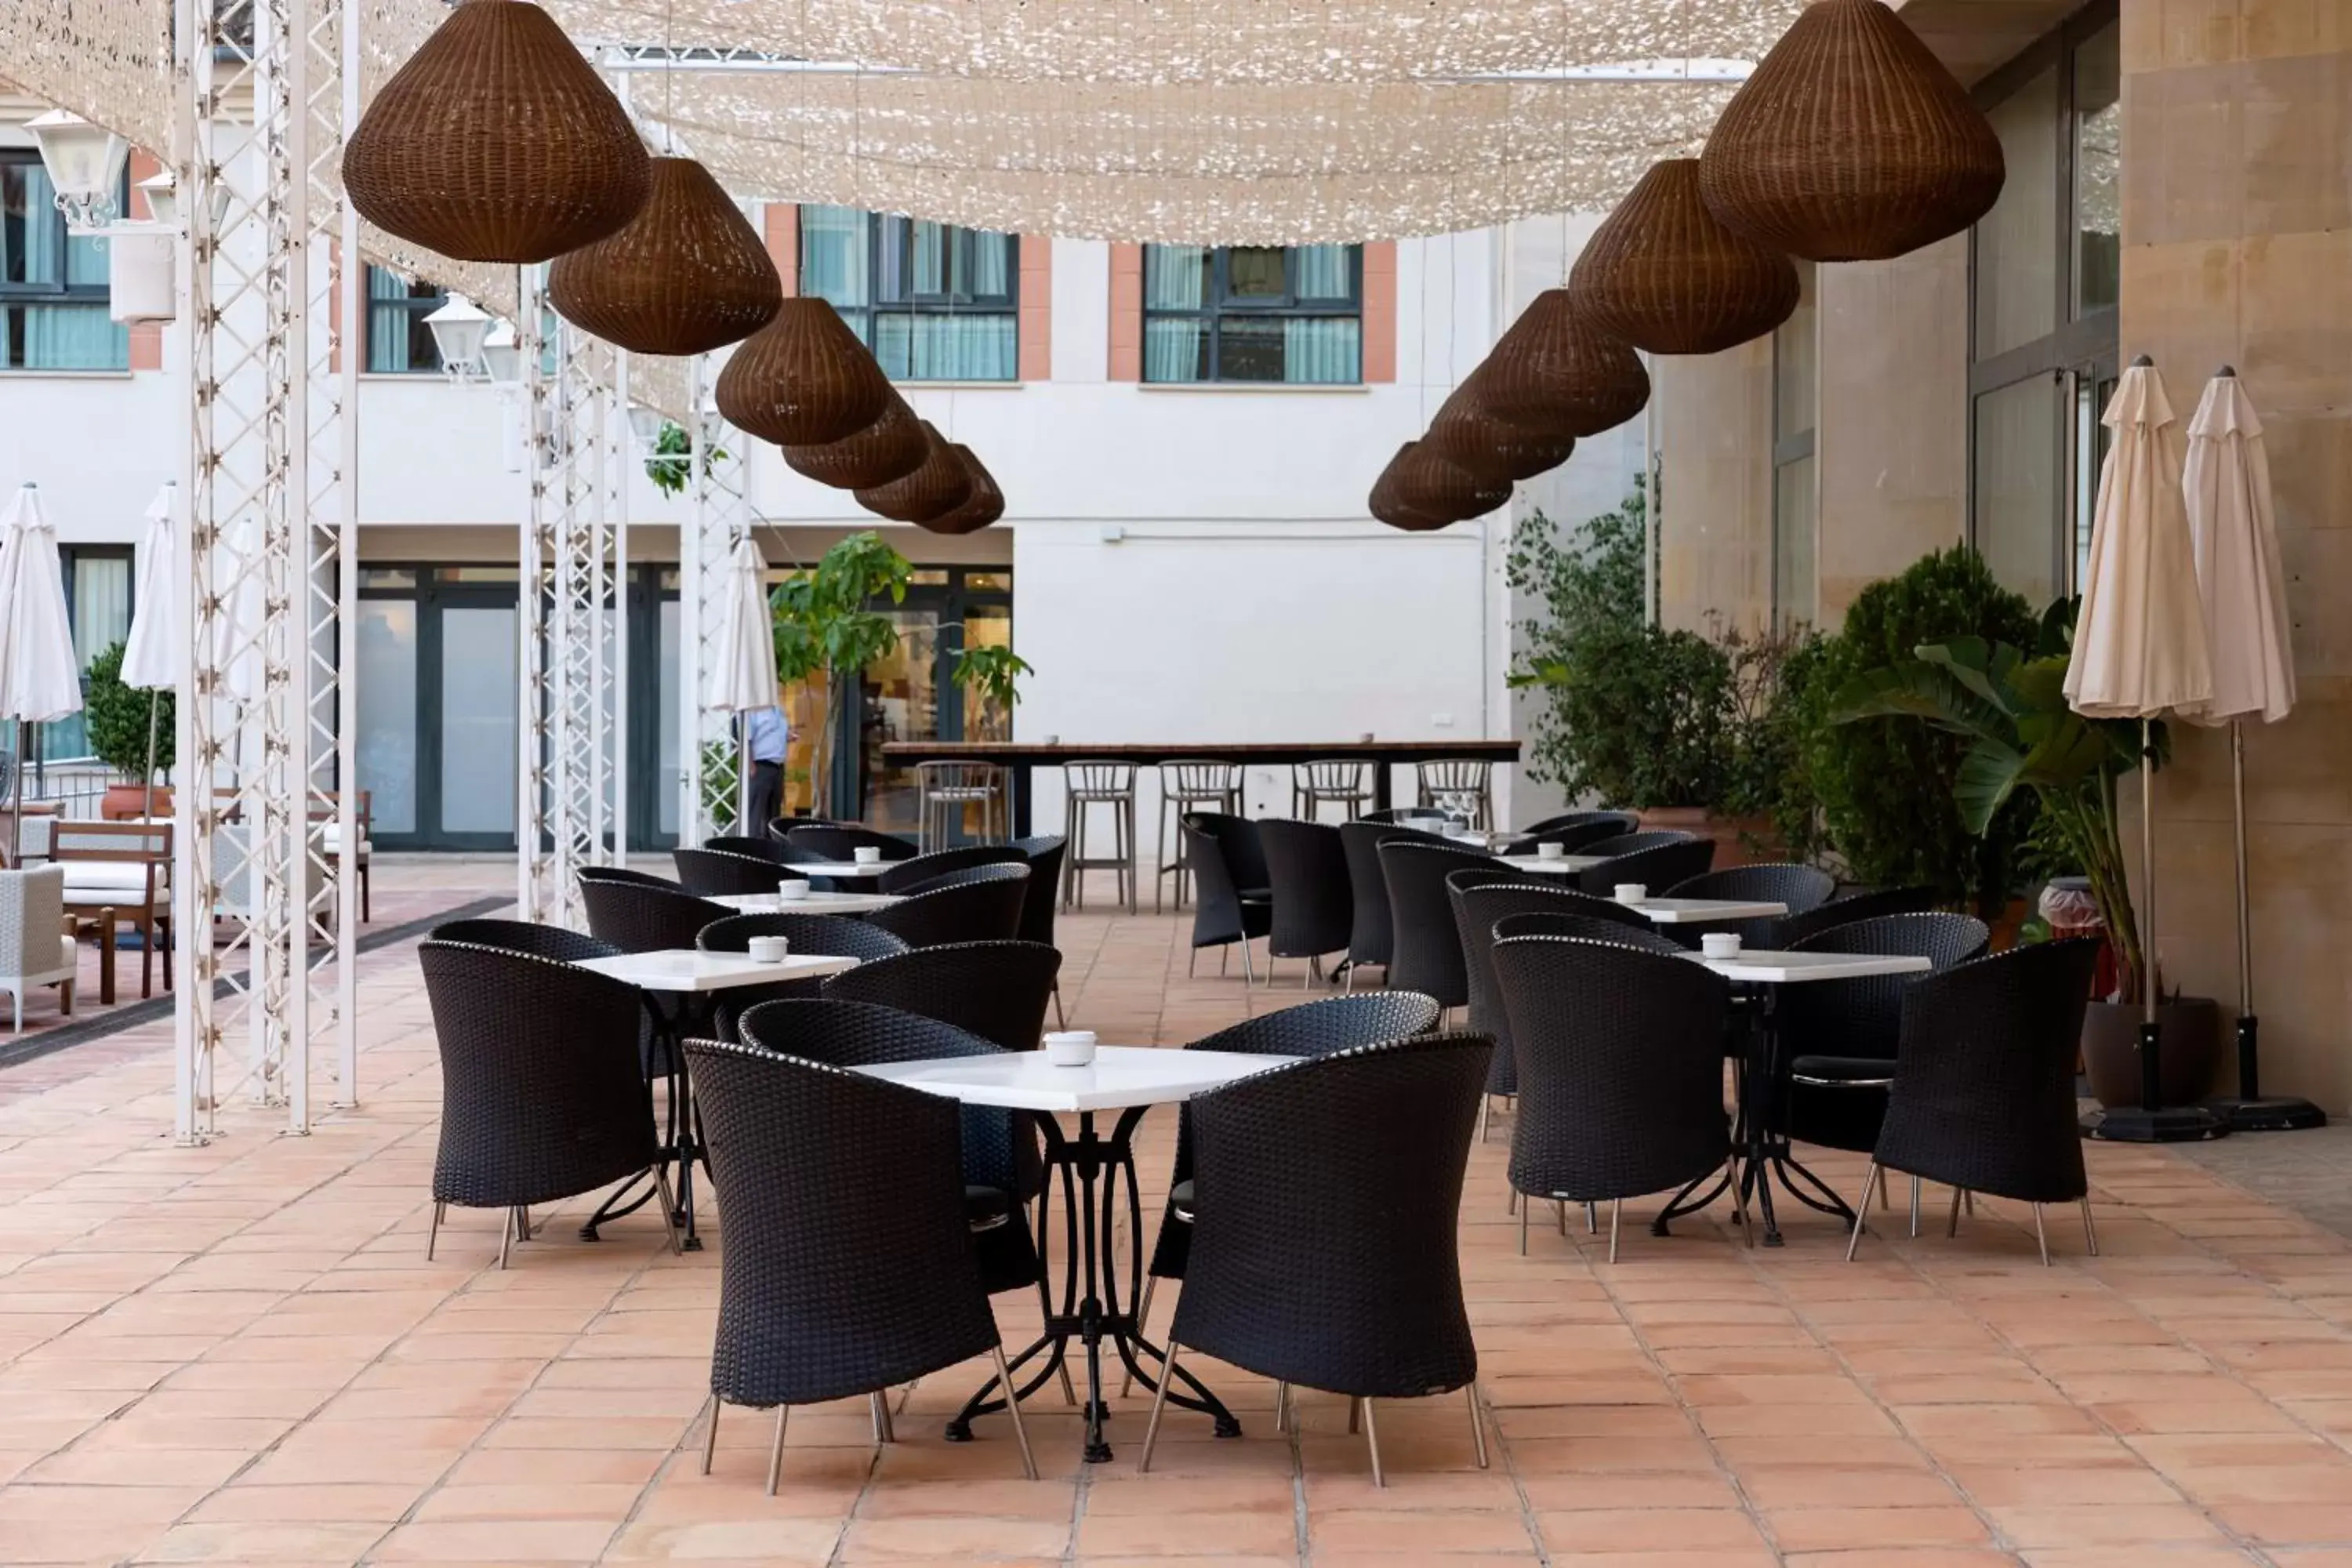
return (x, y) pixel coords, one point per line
(911, 695)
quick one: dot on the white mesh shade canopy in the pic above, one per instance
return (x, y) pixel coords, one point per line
(38, 680)
(2139, 641)
(150, 654)
(743, 672)
(2239, 578)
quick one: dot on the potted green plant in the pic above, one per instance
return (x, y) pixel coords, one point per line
(993, 671)
(2007, 707)
(130, 731)
(673, 455)
(827, 629)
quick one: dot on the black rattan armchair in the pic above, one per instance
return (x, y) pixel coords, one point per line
(1983, 1097)
(758, 848)
(1620, 1072)
(1654, 859)
(1428, 951)
(1800, 887)
(997, 990)
(625, 876)
(542, 1093)
(822, 936)
(722, 873)
(924, 871)
(560, 943)
(1477, 905)
(842, 840)
(1313, 912)
(849, 1266)
(1372, 937)
(1839, 1037)
(639, 918)
(1584, 826)
(860, 1034)
(1405, 816)
(1591, 920)
(1044, 853)
(1795, 928)
(1232, 901)
(1326, 1255)
(980, 903)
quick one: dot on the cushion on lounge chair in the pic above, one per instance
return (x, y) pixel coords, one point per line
(103, 881)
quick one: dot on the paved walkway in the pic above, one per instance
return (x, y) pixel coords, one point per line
(239, 1353)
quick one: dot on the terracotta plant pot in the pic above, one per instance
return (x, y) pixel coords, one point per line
(1738, 840)
(2191, 1050)
(123, 802)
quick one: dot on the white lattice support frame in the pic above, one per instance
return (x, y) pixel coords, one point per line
(545, 446)
(710, 787)
(268, 563)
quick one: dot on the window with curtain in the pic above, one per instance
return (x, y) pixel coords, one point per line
(933, 301)
(52, 284)
(98, 612)
(398, 341)
(1254, 313)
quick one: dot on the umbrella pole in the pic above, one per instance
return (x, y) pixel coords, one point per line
(2249, 1109)
(16, 801)
(154, 701)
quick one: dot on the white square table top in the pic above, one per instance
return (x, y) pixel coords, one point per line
(684, 969)
(1694, 912)
(1556, 866)
(815, 902)
(1760, 967)
(1120, 1077)
(841, 868)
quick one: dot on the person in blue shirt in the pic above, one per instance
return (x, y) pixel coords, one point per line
(766, 734)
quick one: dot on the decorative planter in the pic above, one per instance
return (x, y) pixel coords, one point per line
(1732, 835)
(2191, 1050)
(123, 802)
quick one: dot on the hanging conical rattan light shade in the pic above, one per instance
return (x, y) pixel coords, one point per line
(1466, 432)
(983, 506)
(890, 449)
(686, 275)
(1383, 503)
(497, 142)
(1850, 142)
(940, 485)
(1554, 370)
(1665, 276)
(1434, 485)
(802, 380)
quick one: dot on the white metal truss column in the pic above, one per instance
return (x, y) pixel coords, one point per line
(573, 658)
(265, 918)
(711, 790)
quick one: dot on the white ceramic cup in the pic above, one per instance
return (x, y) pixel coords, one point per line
(1632, 892)
(1551, 851)
(1720, 945)
(1070, 1047)
(866, 855)
(770, 949)
(793, 891)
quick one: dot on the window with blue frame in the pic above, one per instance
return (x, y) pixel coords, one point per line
(933, 301)
(53, 291)
(1254, 313)
(398, 341)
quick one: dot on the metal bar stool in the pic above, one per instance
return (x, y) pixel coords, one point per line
(1183, 787)
(945, 791)
(1464, 788)
(1312, 784)
(1098, 783)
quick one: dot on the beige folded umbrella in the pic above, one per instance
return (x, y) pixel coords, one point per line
(2243, 586)
(743, 674)
(39, 676)
(2140, 653)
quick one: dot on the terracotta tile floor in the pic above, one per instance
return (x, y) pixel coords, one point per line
(239, 1353)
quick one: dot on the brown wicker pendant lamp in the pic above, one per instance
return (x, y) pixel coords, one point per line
(942, 484)
(1555, 370)
(1661, 272)
(802, 380)
(983, 507)
(1384, 505)
(1466, 432)
(1429, 482)
(686, 275)
(1850, 142)
(497, 142)
(890, 449)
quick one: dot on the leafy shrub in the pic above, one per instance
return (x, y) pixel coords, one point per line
(117, 716)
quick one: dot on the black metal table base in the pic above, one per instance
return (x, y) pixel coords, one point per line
(1762, 1154)
(1092, 1168)
(680, 1146)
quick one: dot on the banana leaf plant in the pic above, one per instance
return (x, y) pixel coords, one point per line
(2009, 703)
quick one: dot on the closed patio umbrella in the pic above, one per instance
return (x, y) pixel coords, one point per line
(2140, 653)
(38, 680)
(2243, 586)
(150, 654)
(743, 675)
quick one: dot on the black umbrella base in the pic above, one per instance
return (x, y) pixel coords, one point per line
(2269, 1113)
(2169, 1124)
